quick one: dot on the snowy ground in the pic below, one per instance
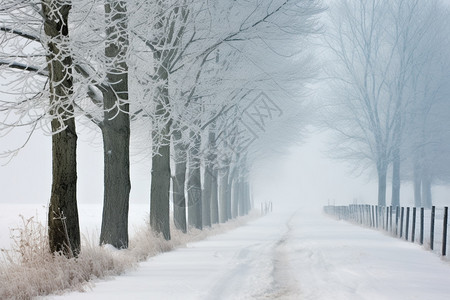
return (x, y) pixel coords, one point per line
(295, 254)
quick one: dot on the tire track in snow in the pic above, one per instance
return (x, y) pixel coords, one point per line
(247, 275)
(261, 270)
(283, 284)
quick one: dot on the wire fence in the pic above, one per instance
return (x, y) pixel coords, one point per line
(428, 227)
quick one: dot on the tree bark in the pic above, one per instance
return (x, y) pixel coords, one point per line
(427, 201)
(160, 181)
(382, 170)
(395, 201)
(214, 196)
(116, 130)
(242, 200)
(211, 173)
(63, 225)
(223, 194)
(247, 199)
(194, 186)
(207, 195)
(160, 188)
(228, 199)
(179, 181)
(236, 199)
(117, 186)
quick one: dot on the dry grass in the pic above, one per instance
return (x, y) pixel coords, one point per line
(29, 269)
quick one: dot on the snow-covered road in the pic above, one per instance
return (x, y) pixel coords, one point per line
(295, 254)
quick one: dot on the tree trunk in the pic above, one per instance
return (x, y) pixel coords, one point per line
(382, 170)
(396, 179)
(179, 181)
(211, 174)
(426, 191)
(116, 130)
(117, 186)
(248, 203)
(214, 196)
(236, 187)
(194, 186)
(417, 185)
(223, 194)
(160, 185)
(63, 225)
(207, 195)
(242, 198)
(160, 188)
(228, 201)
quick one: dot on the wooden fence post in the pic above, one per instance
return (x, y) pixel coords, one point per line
(373, 216)
(413, 229)
(444, 232)
(363, 214)
(421, 224)
(433, 214)
(387, 218)
(376, 216)
(359, 213)
(407, 224)
(390, 219)
(366, 215)
(363, 217)
(401, 222)
(397, 212)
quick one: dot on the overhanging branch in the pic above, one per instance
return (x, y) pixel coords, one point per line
(25, 35)
(24, 67)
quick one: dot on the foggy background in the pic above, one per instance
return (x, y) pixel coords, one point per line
(304, 176)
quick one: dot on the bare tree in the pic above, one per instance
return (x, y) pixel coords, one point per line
(416, 23)
(115, 128)
(376, 44)
(64, 232)
(426, 122)
(108, 107)
(184, 38)
(22, 21)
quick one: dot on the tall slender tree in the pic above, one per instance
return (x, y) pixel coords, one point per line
(116, 128)
(22, 21)
(64, 232)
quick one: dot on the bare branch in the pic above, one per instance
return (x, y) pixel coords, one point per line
(24, 67)
(20, 33)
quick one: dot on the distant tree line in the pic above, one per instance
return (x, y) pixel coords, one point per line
(389, 70)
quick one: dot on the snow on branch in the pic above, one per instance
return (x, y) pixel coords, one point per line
(24, 67)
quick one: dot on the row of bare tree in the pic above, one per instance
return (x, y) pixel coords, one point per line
(201, 81)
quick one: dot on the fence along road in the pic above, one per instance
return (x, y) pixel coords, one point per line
(415, 224)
